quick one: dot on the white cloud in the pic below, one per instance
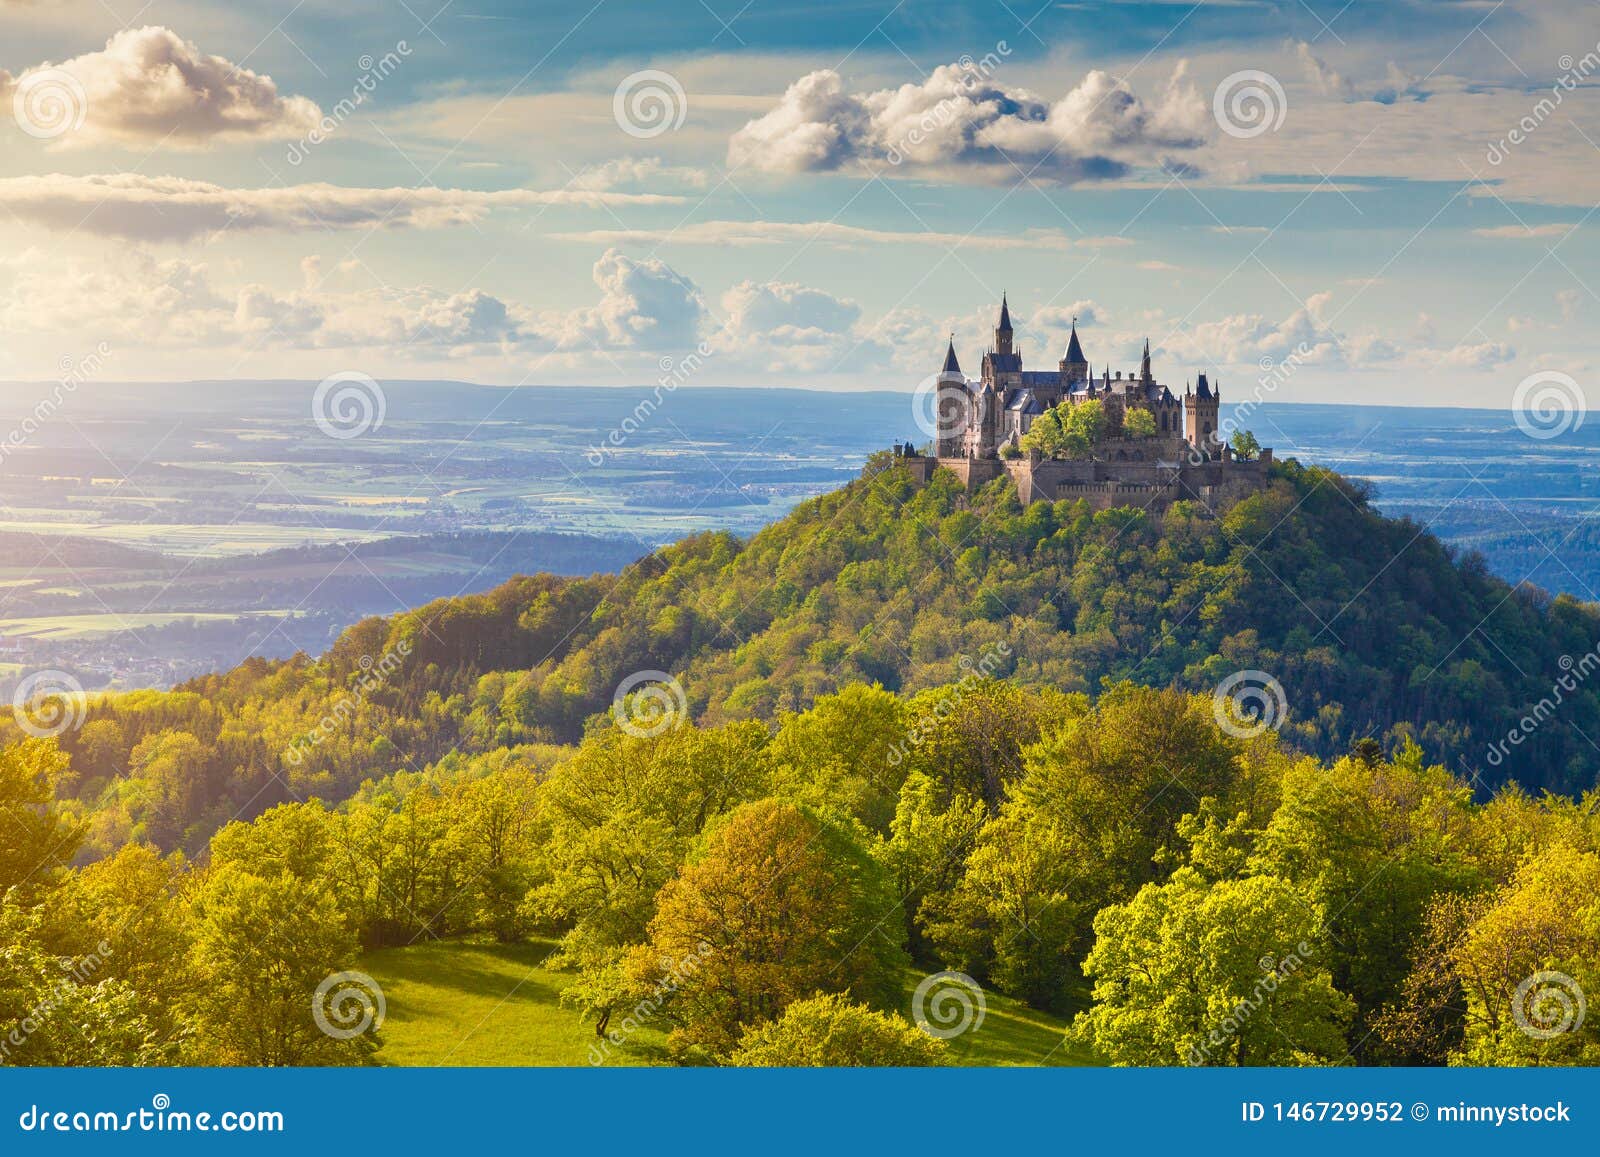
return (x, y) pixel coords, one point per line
(176, 209)
(643, 305)
(651, 173)
(136, 299)
(149, 85)
(1481, 356)
(785, 327)
(1525, 232)
(1251, 339)
(831, 233)
(961, 124)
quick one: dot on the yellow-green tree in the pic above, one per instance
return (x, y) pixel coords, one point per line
(263, 946)
(1139, 423)
(778, 902)
(831, 1031)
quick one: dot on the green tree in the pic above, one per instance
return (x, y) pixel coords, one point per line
(1527, 961)
(39, 841)
(1244, 444)
(1229, 973)
(263, 946)
(778, 902)
(1067, 430)
(830, 1031)
(1139, 423)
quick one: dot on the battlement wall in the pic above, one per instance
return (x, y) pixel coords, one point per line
(1162, 474)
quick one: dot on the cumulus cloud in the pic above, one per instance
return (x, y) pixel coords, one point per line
(1479, 356)
(1252, 339)
(1397, 83)
(643, 305)
(150, 85)
(785, 327)
(144, 208)
(960, 123)
(135, 298)
(831, 233)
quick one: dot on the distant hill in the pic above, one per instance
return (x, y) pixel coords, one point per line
(1372, 627)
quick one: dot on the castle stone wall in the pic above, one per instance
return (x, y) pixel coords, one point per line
(1165, 473)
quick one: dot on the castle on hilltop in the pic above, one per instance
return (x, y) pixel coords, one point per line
(1177, 454)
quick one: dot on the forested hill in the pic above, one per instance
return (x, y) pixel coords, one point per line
(1370, 625)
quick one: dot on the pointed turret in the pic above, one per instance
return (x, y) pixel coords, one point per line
(1074, 366)
(1144, 364)
(1202, 387)
(1074, 355)
(1003, 331)
(951, 366)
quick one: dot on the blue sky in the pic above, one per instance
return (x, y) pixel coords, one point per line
(829, 192)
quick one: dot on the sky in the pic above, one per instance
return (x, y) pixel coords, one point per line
(1366, 201)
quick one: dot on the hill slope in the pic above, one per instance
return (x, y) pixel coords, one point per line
(1370, 624)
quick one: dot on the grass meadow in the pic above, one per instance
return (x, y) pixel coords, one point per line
(483, 1003)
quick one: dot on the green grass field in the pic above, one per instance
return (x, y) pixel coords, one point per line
(468, 1003)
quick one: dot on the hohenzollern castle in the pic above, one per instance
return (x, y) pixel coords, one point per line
(981, 425)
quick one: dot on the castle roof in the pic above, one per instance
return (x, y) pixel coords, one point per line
(1202, 387)
(1025, 402)
(1074, 354)
(1005, 313)
(951, 366)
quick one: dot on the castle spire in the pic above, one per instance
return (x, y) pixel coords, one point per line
(1144, 364)
(951, 366)
(1003, 332)
(1074, 350)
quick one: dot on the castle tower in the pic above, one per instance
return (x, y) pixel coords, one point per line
(951, 405)
(1200, 423)
(1144, 364)
(1003, 335)
(1074, 366)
